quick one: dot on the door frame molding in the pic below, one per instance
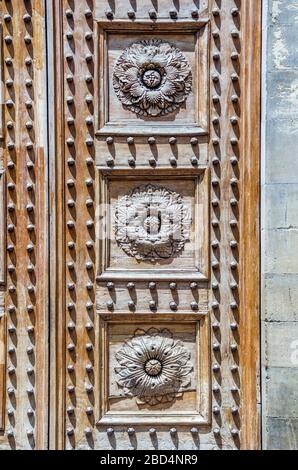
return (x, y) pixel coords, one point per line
(249, 225)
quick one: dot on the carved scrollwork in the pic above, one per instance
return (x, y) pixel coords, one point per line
(154, 367)
(152, 223)
(152, 78)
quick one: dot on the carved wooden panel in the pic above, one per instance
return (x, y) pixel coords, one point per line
(152, 119)
(154, 370)
(156, 85)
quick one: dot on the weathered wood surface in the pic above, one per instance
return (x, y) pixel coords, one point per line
(25, 164)
(121, 144)
(205, 153)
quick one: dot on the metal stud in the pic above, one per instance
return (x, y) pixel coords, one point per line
(173, 14)
(70, 431)
(109, 14)
(131, 14)
(234, 11)
(152, 14)
(152, 304)
(151, 141)
(70, 410)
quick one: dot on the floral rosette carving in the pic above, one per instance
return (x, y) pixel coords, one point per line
(152, 223)
(152, 78)
(154, 367)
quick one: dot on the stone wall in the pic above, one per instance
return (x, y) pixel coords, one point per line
(280, 226)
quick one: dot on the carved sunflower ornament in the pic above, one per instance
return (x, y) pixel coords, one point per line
(152, 223)
(153, 366)
(152, 78)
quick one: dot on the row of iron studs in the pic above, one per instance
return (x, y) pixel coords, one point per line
(12, 165)
(234, 244)
(152, 141)
(71, 202)
(152, 13)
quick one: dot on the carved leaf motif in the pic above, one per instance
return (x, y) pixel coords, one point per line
(152, 223)
(154, 367)
(152, 78)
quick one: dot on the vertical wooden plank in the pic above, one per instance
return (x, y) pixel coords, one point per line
(250, 225)
(2, 368)
(2, 228)
(25, 164)
(57, 226)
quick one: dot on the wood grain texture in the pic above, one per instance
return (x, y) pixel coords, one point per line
(81, 369)
(25, 164)
(2, 228)
(250, 226)
(192, 407)
(2, 369)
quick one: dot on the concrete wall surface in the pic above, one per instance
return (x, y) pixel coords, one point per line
(280, 225)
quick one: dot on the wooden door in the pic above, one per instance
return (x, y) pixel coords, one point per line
(149, 243)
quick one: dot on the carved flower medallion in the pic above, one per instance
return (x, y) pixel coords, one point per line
(152, 78)
(152, 223)
(153, 366)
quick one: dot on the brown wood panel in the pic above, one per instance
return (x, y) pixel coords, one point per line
(2, 369)
(250, 227)
(25, 165)
(132, 150)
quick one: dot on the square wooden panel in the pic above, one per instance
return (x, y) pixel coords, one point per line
(176, 248)
(183, 112)
(2, 228)
(155, 370)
